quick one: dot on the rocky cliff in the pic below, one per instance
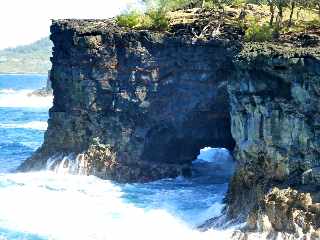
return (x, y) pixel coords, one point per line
(274, 98)
(138, 106)
(151, 99)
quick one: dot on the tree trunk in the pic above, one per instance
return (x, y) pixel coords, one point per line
(272, 14)
(280, 17)
(293, 5)
(279, 21)
(298, 13)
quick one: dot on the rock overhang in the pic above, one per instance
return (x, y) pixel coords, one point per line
(155, 98)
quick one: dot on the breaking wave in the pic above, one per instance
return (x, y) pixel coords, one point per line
(62, 206)
(23, 98)
(36, 125)
(58, 206)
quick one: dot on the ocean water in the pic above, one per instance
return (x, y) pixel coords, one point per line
(53, 205)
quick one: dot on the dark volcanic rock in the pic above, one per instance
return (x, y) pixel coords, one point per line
(153, 99)
(275, 121)
(139, 105)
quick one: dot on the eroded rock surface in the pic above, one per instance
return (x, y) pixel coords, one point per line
(283, 214)
(155, 99)
(275, 121)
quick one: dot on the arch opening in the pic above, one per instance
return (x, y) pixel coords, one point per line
(213, 165)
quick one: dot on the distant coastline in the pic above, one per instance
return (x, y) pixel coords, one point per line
(32, 58)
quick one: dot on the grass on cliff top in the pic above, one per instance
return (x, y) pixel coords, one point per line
(153, 20)
(255, 23)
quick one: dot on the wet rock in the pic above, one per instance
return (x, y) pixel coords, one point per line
(45, 91)
(311, 176)
(284, 213)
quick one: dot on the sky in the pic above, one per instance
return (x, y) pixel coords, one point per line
(25, 21)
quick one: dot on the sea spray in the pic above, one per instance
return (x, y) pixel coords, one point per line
(10, 98)
(56, 206)
(36, 125)
(67, 164)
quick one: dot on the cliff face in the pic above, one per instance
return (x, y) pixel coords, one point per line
(151, 99)
(139, 105)
(275, 111)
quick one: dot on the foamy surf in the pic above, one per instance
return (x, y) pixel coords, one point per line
(35, 125)
(58, 205)
(7, 91)
(23, 99)
(64, 207)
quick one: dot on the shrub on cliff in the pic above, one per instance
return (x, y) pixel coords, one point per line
(155, 16)
(158, 20)
(129, 19)
(258, 32)
(153, 19)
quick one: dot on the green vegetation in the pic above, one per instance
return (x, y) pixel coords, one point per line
(275, 17)
(153, 19)
(130, 19)
(157, 20)
(258, 33)
(32, 58)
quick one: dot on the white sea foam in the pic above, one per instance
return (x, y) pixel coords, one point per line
(80, 207)
(70, 164)
(23, 98)
(7, 91)
(37, 125)
(209, 154)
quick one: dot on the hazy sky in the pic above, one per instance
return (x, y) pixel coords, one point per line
(25, 21)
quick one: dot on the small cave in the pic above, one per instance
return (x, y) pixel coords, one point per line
(188, 144)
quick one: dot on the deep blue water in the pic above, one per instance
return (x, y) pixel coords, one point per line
(48, 205)
(21, 127)
(19, 82)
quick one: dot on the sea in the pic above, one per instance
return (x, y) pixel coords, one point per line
(60, 206)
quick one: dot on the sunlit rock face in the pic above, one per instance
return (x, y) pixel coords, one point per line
(152, 98)
(275, 99)
(283, 214)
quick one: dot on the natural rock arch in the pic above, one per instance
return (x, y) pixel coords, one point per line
(154, 101)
